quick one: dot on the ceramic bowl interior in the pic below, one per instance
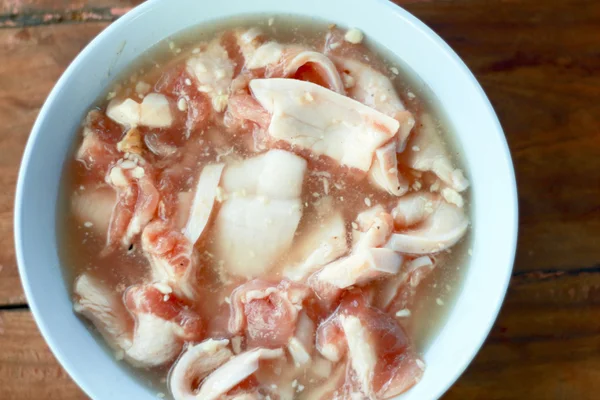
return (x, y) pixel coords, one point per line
(488, 163)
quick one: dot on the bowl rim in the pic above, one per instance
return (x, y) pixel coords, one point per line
(511, 209)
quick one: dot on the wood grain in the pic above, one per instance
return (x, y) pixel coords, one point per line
(28, 369)
(18, 13)
(32, 60)
(539, 65)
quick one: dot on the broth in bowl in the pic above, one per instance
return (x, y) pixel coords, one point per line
(266, 209)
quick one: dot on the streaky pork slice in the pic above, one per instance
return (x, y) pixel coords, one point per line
(443, 228)
(235, 371)
(384, 172)
(162, 323)
(376, 90)
(137, 200)
(382, 361)
(155, 334)
(310, 117)
(172, 257)
(297, 62)
(427, 152)
(195, 364)
(366, 262)
(323, 242)
(266, 312)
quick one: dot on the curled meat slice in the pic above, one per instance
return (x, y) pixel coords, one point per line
(301, 345)
(360, 267)
(374, 89)
(95, 154)
(243, 108)
(384, 172)
(382, 362)
(234, 372)
(203, 202)
(162, 324)
(428, 153)
(441, 230)
(176, 83)
(323, 243)
(159, 326)
(154, 111)
(290, 61)
(171, 257)
(137, 200)
(195, 364)
(310, 117)
(104, 308)
(397, 294)
(365, 263)
(266, 312)
(414, 208)
(213, 72)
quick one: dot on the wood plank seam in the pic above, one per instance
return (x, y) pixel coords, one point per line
(37, 18)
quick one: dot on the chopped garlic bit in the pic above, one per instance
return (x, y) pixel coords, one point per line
(295, 383)
(417, 186)
(227, 300)
(394, 70)
(111, 95)
(453, 197)
(354, 226)
(420, 364)
(160, 395)
(188, 82)
(416, 148)
(439, 302)
(88, 224)
(435, 186)
(137, 172)
(403, 313)
(142, 87)
(411, 95)
(368, 201)
(354, 36)
(182, 104)
(348, 81)
(166, 297)
(300, 387)
(271, 21)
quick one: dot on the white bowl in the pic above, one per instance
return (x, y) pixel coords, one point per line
(488, 163)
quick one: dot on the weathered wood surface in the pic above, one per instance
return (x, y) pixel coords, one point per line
(539, 64)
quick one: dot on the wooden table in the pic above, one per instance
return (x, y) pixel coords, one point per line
(539, 63)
